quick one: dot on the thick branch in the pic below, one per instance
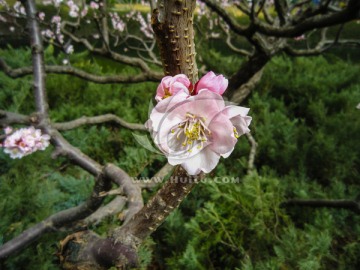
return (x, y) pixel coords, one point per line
(157, 209)
(9, 118)
(37, 60)
(247, 70)
(173, 25)
(244, 90)
(131, 190)
(157, 178)
(112, 208)
(64, 148)
(92, 252)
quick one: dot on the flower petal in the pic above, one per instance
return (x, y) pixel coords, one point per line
(205, 161)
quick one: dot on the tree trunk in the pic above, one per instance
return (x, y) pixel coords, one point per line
(173, 26)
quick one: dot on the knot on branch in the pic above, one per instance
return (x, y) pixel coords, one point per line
(86, 250)
(37, 49)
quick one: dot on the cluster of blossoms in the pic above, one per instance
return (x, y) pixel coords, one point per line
(117, 23)
(74, 9)
(24, 141)
(145, 26)
(192, 125)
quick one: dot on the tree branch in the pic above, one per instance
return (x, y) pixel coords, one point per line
(347, 14)
(98, 120)
(246, 71)
(173, 26)
(38, 61)
(245, 89)
(252, 153)
(112, 208)
(68, 70)
(89, 249)
(131, 190)
(58, 220)
(9, 118)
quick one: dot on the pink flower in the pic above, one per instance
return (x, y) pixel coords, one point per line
(171, 85)
(41, 16)
(195, 131)
(24, 142)
(56, 19)
(94, 5)
(298, 38)
(8, 130)
(210, 81)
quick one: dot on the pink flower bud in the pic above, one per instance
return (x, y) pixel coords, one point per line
(171, 85)
(213, 83)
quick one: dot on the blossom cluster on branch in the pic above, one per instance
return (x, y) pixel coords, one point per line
(24, 141)
(192, 125)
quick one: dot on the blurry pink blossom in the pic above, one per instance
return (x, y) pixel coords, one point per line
(41, 16)
(25, 141)
(74, 9)
(117, 23)
(171, 85)
(48, 33)
(213, 83)
(298, 38)
(145, 27)
(94, 5)
(56, 19)
(196, 131)
(8, 130)
(84, 12)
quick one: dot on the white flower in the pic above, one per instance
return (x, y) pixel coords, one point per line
(24, 141)
(69, 49)
(195, 131)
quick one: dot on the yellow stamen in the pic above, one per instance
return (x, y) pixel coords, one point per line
(236, 134)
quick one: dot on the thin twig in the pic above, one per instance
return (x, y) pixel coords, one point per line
(100, 119)
(252, 153)
(69, 70)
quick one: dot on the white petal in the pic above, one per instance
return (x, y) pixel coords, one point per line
(205, 161)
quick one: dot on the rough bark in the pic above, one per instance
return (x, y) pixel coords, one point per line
(172, 22)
